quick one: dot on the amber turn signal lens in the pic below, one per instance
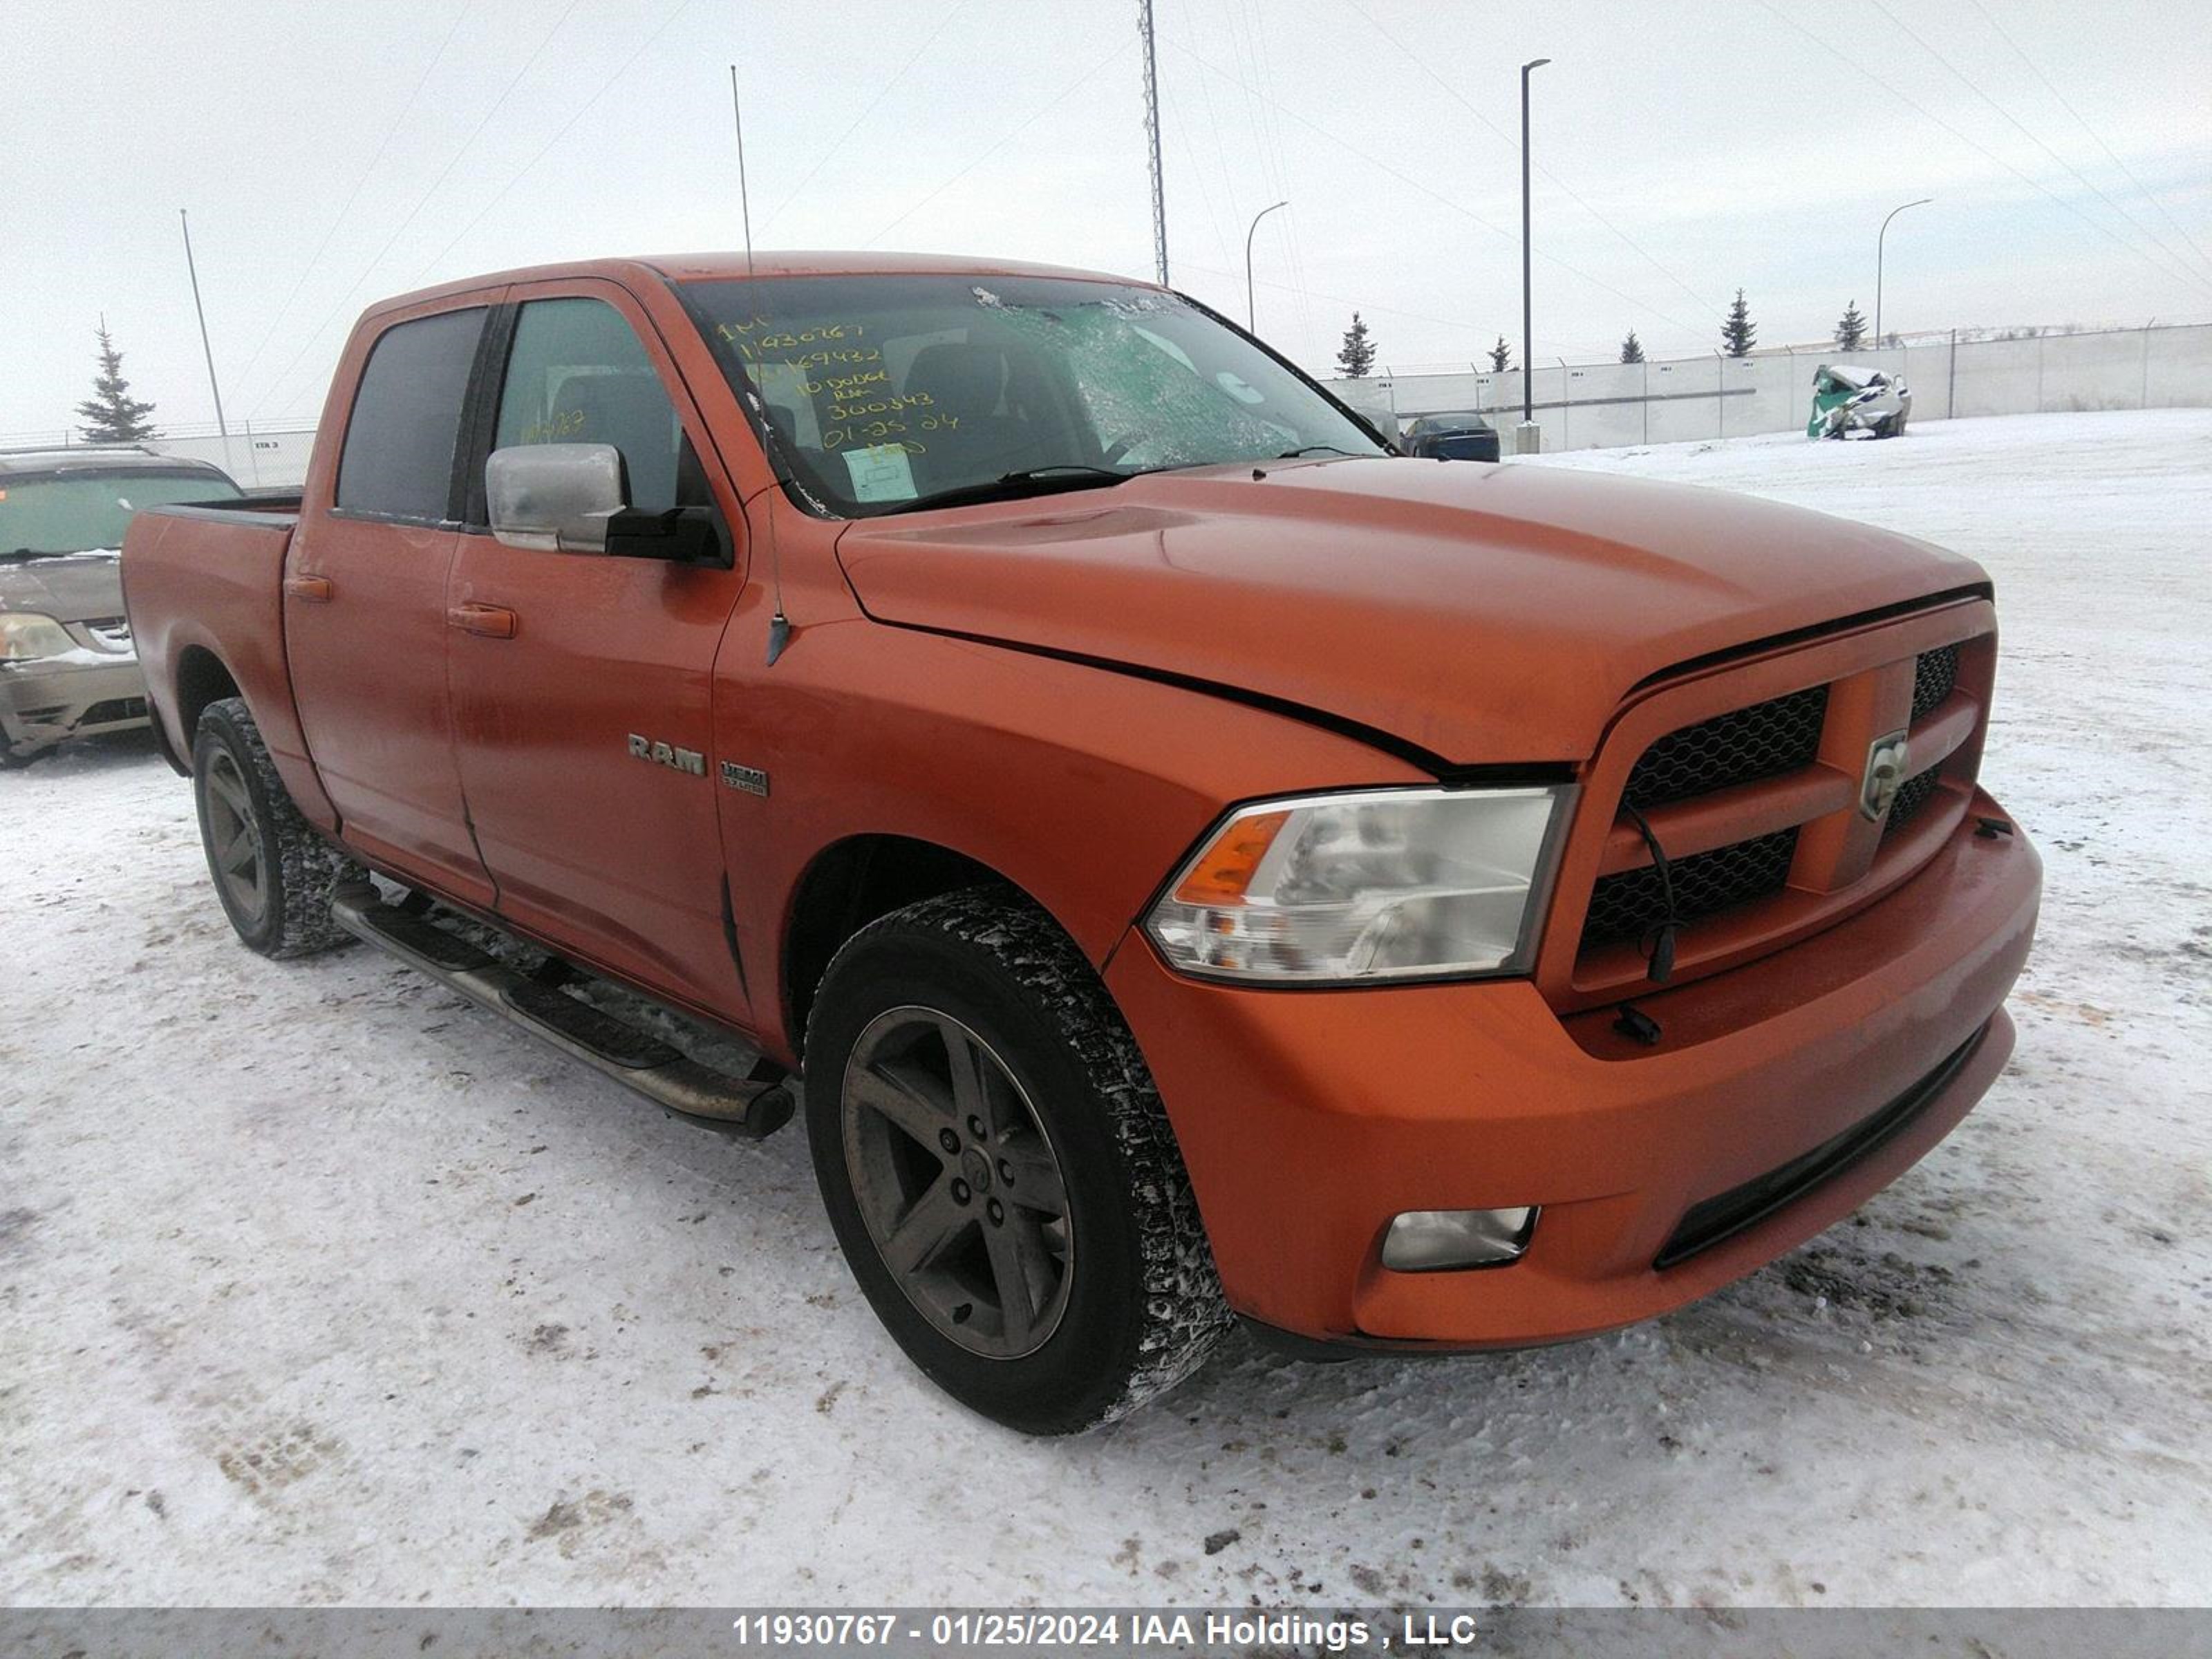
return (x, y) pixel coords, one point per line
(1224, 871)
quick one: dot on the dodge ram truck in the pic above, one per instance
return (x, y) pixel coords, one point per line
(1187, 861)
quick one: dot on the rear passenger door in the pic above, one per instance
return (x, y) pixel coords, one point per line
(365, 602)
(583, 736)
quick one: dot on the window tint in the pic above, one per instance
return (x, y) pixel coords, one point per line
(398, 455)
(576, 374)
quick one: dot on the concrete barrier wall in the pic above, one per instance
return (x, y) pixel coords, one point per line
(1608, 405)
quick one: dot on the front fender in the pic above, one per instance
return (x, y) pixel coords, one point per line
(1083, 786)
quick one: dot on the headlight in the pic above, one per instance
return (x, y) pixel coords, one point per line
(1386, 884)
(25, 636)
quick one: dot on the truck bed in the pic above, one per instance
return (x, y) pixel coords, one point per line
(204, 587)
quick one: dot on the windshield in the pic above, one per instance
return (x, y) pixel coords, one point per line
(886, 391)
(81, 511)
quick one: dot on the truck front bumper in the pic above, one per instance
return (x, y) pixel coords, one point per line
(1309, 1119)
(41, 703)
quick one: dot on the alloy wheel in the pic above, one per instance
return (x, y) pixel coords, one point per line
(235, 845)
(958, 1182)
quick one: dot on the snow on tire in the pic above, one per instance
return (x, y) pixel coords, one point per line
(1128, 1299)
(272, 872)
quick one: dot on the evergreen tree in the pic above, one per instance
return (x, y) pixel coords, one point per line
(1851, 329)
(1355, 358)
(1738, 331)
(1501, 356)
(1632, 349)
(111, 415)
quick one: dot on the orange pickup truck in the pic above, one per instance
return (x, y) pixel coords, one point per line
(1206, 864)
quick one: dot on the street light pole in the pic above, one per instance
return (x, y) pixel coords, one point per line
(1528, 307)
(192, 271)
(1251, 309)
(1878, 242)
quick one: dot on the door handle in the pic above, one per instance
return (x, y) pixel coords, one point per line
(493, 622)
(308, 590)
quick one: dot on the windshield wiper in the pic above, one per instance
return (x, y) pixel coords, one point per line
(1029, 481)
(1309, 449)
(35, 553)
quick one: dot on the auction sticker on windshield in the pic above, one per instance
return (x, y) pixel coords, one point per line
(881, 473)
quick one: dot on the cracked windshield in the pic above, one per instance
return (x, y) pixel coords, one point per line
(888, 393)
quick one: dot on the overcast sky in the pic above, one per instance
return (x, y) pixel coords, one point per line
(336, 153)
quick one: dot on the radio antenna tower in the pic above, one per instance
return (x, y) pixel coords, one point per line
(1153, 133)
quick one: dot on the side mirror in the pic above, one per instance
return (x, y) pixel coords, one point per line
(554, 498)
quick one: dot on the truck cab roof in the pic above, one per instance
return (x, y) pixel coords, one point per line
(725, 266)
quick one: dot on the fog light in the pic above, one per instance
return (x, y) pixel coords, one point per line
(1434, 1241)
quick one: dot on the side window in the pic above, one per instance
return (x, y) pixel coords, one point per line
(398, 455)
(576, 374)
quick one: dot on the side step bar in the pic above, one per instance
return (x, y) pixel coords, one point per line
(750, 1107)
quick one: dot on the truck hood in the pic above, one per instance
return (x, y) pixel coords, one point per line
(67, 586)
(1479, 613)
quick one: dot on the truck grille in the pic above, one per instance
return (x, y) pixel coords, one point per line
(1911, 795)
(1786, 763)
(1631, 904)
(1742, 746)
(1934, 675)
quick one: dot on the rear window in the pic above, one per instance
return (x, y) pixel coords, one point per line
(397, 462)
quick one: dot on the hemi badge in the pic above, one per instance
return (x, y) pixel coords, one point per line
(751, 779)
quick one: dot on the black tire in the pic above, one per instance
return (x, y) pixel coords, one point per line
(1137, 1304)
(247, 814)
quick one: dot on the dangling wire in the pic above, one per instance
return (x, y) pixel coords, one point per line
(1661, 951)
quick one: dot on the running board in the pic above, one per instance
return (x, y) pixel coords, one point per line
(750, 1107)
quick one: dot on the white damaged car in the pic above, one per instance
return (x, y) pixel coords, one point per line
(1850, 400)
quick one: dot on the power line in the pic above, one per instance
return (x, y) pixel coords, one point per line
(1553, 179)
(1197, 177)
(2066, 104)
(1457, 207)
(2035, 183)
(1292, 241)
(1000, 142)
(544, 149)
(423, 200)
(1342, 299)
(882, 93)
(339, 218)
(1220, 148)
(2087, 183)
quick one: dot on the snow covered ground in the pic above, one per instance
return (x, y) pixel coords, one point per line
(317, 1286)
